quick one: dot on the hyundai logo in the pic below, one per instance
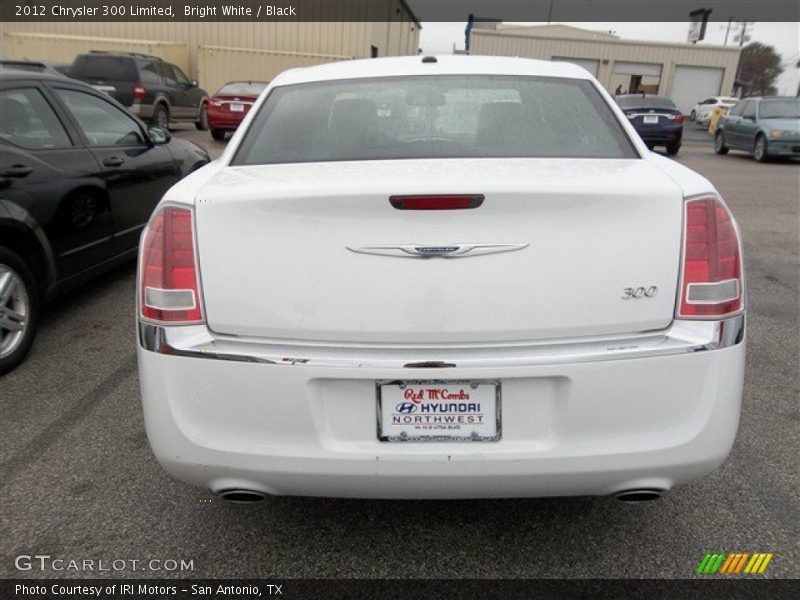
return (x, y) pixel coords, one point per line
(406, 407)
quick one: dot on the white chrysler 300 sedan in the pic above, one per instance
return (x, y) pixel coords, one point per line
(440, 278)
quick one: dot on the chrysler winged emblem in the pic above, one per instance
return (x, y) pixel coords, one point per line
(437, 251)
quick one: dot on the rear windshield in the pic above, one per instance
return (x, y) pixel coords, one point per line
(644, 102)
(242, 88)
(447, 116)
(105, 68)
(780, 109)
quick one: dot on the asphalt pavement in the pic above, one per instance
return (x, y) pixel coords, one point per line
(78, 481)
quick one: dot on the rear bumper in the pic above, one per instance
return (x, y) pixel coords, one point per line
(143, 111)
(224, 120)
(584, 418)
(660, 134)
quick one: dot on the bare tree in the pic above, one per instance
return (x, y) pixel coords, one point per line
(759, 69)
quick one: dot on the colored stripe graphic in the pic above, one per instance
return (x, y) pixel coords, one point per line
(734, 563)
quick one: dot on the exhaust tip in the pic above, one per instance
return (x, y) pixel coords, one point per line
(639, 495)
(241, 496)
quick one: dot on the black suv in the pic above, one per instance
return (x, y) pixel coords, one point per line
(79, 177)
(156, 91)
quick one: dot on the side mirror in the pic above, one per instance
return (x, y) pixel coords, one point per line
(159, 136)
(193, 83)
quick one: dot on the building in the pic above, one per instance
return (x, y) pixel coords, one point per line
(213, 52)
(686, 73)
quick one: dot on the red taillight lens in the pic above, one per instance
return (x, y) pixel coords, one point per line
(139, 92)
(170, 290)
(711, 278)
(437, 202)
(679, 118)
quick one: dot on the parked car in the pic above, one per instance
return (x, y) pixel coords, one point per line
(225, 110)
(449, 277)
(702, 111)
(79, 177)
(767, 127)
(52, 68)
(152, 89)
(656, 119)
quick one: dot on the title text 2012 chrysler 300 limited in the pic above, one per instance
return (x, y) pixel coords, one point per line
(440, 278)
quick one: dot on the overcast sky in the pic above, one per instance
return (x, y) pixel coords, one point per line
(438, 38)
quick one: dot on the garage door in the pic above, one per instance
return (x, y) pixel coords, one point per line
(692, 84)
(634, 68)
(589, 64)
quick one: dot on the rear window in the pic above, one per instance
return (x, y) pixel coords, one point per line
(106, 68)
(645, 102)
(242, 88)
(447, 116)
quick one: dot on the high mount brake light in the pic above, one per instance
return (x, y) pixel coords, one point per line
(437, 202)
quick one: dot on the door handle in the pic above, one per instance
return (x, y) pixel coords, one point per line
(113, 161)
(16, 171)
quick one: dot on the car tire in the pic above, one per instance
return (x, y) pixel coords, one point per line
(218, 134)
(692, 116)
(202, 124)
(160, 117)
(672, 149)
(719, 143)
(760, 149)
(18, 293)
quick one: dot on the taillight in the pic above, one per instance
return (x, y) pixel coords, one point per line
(711, 275)
(436, 202)
(139, 92)
(679, 118)
(170, 290)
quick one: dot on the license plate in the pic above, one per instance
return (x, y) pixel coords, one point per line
(438, 411)
(237, 107)
(651, 119)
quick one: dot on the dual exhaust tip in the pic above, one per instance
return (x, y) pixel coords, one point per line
(636, 496)
(242, 496)
(633, 496)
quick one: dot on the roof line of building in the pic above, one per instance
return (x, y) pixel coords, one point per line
(411, 13)
(627, 42)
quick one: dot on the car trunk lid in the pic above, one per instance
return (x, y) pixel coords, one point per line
(285, 250)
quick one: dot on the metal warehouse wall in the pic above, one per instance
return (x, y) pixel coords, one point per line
(218, 64)
(669, 55)
(37, 46)
(398, 35)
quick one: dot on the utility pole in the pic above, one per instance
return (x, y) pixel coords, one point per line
(728, 31)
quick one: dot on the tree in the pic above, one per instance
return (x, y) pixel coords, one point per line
(759, 69)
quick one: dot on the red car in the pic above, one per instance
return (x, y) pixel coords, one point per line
(225, 110)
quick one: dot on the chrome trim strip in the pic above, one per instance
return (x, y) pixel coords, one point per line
(438, 250)
(682, 337)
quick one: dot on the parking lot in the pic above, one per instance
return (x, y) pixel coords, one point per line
(79, 481)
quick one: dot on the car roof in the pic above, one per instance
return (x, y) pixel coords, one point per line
(11, 74)
(431, 65)
(120, 54)
(8, 73)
